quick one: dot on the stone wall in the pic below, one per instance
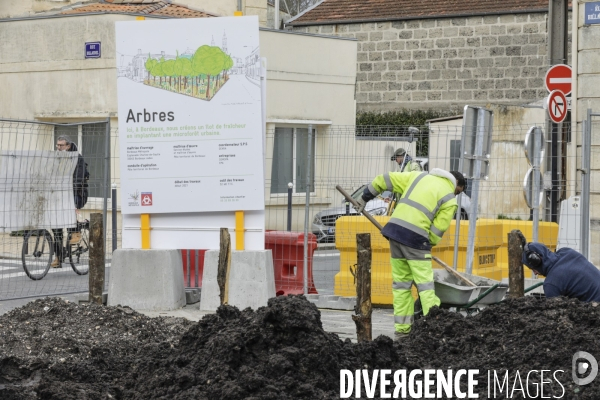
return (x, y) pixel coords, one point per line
(448, 62)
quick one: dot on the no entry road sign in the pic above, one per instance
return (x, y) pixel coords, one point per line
(557, 106)
(558, 77)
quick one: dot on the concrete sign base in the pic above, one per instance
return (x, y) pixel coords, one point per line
(251, 280)
(147, 279)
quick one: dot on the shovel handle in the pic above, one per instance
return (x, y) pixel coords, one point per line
(453, 272)
(364, 212)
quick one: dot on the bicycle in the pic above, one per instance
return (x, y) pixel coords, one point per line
(38, 250)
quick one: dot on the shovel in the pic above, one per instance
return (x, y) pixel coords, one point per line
(355, 204)
(378, 225)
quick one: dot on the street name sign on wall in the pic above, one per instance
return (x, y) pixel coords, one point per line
(557, 106)
(93, 50)
(189, 107)
(592, 13)
(559, 77)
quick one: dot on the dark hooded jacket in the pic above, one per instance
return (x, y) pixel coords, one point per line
(567, 273)
(80, 177)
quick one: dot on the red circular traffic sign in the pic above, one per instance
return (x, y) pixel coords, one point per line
(557, 106)
(559, 77)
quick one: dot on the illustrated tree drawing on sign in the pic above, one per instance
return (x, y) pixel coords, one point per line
(200, 75)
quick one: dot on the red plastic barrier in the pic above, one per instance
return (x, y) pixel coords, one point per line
(190, 280)
(288, 261)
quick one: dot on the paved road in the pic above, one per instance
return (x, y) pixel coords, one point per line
(15, 283)
(326, 263)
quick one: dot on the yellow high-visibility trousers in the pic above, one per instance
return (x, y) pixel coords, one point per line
(410, 266)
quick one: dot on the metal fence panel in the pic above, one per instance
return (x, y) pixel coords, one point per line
(40, 221)
(336, 155)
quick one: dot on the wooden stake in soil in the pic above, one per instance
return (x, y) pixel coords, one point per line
(516, 283)
(224, 265)
(97, 265)
(362, 276)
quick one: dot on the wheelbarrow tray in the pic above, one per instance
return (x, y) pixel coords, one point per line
(452, 290)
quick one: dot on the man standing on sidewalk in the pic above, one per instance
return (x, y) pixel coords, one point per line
(80, 193)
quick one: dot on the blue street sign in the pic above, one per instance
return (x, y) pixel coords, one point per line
(592, 13)
(92, 50)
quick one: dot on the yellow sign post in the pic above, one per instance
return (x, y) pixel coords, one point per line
(239, 230)
(145, 222)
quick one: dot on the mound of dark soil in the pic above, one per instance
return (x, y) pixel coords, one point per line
(51, 349)
(278, 352)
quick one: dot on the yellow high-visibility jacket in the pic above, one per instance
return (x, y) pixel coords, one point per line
(424, 211)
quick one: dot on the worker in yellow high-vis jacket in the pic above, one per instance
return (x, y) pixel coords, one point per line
(423, 214)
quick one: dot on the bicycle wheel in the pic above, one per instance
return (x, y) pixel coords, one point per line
(79, 253)
(37, 253)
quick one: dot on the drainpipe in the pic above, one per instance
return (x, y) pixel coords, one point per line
(276, 18)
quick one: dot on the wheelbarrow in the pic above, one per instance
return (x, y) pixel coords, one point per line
(454, 293)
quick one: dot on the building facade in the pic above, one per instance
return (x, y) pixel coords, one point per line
(52, 81)
(423, 59)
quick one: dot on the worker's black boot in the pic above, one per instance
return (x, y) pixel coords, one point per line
(401, 336)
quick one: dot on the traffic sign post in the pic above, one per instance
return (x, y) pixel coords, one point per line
(559, 77)
(558, 82)
(532, 185)
(557, 106)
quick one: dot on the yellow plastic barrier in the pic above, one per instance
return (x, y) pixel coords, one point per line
(547, 234)
(491, 251)
(346, 229)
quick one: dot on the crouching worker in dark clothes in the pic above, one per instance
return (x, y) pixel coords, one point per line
(567, 272)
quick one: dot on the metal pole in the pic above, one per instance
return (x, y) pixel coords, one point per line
(114, 216)
(456, 235)
(276, 18)
(475, 191)
(289, 207)
(554, 171)
(458, 215)
(189, 268)
(196, 267)
(106, 172)
(537, 146)
(306, 209)
(586, 153)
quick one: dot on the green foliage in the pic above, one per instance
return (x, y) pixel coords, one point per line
(396, 124)
(209, 60)
(157, 70)
(150, 63)
(401, 117)
(168, 67)
(228, 62)
(502, 216)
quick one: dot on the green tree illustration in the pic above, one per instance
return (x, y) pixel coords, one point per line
(157, 72)
(228, 63)
(210, 61)
(168, 70)
(149, 64)
(183, 69)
